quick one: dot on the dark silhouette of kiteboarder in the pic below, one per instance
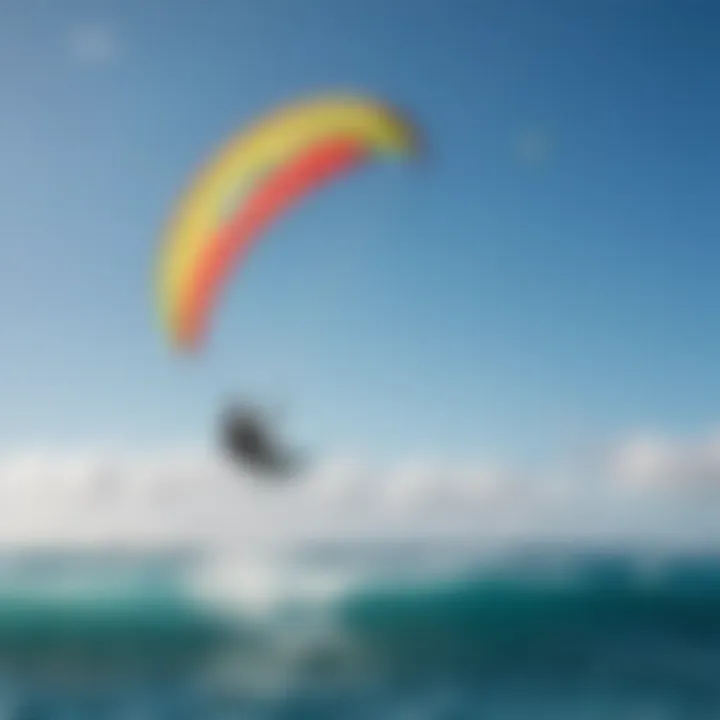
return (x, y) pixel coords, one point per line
(246, 437)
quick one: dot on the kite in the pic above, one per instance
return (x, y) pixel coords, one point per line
(257, 176)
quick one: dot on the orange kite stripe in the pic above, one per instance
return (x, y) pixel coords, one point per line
(276, 193)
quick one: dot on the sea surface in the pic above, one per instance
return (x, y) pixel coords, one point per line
(383, 630)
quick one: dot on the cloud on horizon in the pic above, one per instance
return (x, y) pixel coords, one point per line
(644, 485)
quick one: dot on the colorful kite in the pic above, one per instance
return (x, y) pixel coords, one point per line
(259, 174)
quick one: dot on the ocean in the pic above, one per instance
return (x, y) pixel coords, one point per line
(382, 630)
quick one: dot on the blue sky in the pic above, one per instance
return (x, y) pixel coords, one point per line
(492, 301)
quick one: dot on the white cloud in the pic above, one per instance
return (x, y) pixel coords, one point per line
(652, 464)
(94, 43)
(192, 497)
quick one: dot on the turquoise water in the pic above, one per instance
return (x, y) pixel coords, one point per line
(526, 635)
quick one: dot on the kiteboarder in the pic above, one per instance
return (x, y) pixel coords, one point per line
(245, 437)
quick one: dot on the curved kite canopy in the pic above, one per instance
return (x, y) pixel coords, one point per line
(257, 175)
